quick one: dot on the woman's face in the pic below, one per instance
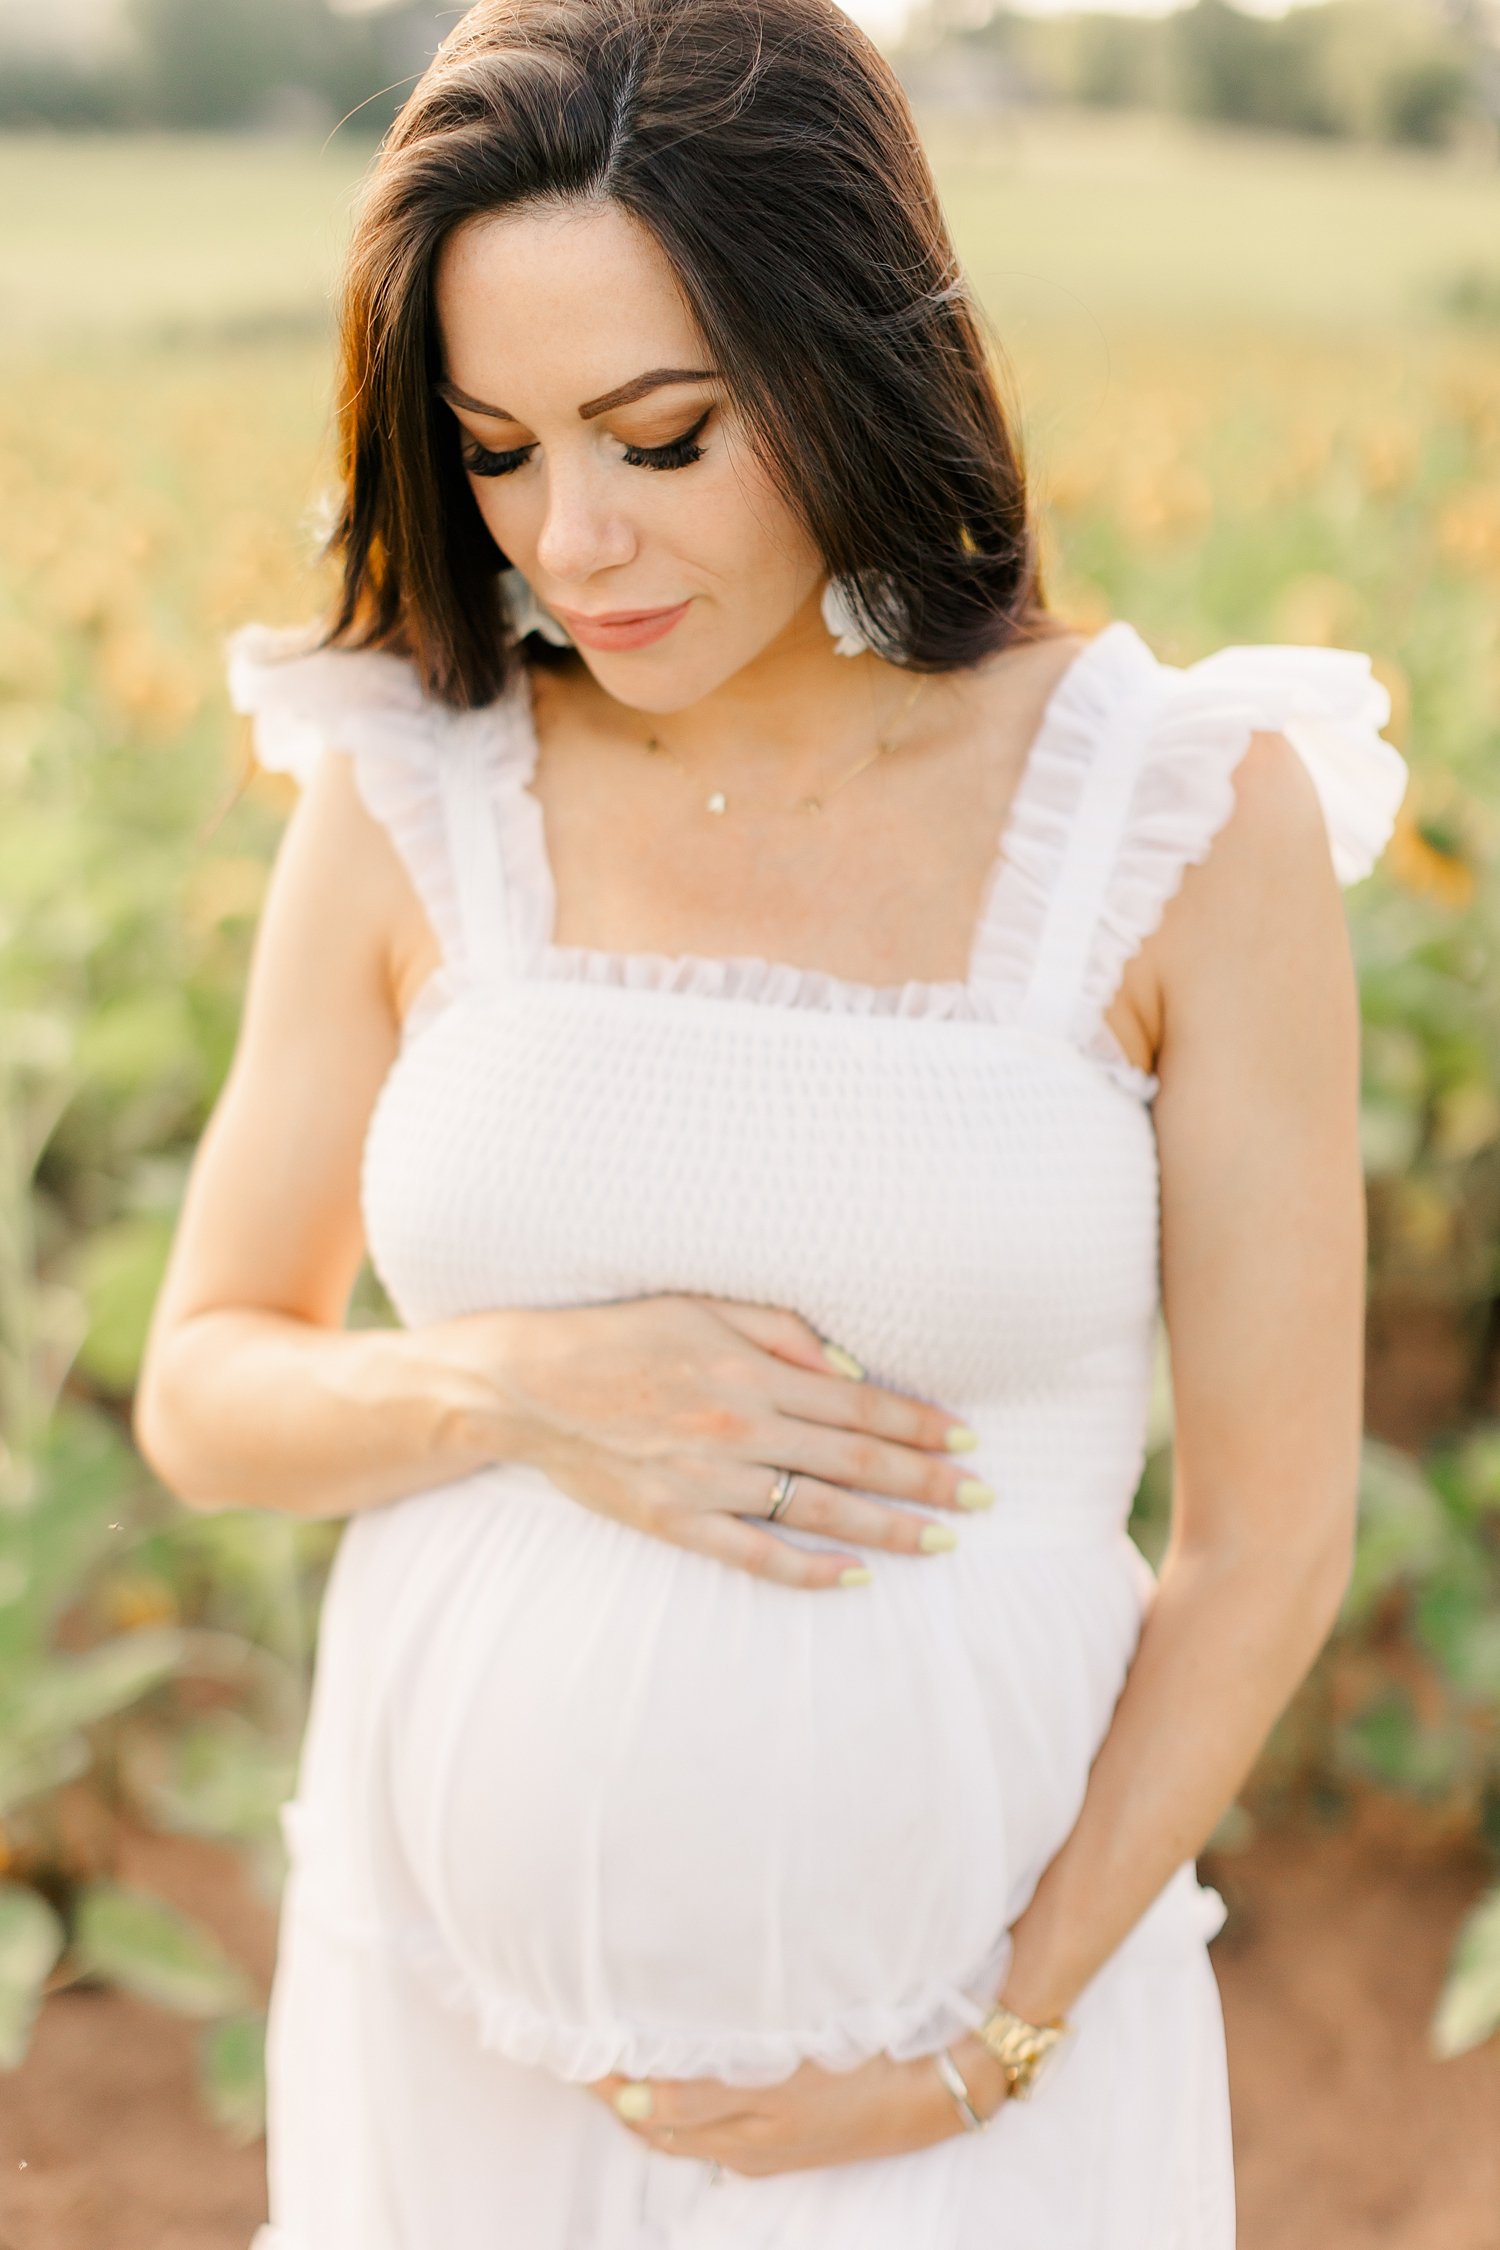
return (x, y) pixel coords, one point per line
(606, 455)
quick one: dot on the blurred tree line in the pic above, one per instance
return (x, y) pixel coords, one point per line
(205, 64)
(1418, 72)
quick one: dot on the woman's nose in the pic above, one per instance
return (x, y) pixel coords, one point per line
(582, 532)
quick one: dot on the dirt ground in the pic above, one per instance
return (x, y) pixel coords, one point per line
(1349, 2136)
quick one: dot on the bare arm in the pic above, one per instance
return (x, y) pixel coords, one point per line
(1263, 1249)
(251, 1391)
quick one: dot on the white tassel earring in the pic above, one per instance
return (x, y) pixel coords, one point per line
(526, 614)
(838, 615)
(849, 635)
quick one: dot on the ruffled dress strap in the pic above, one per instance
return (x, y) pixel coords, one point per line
(425, 772)
(1134, 783)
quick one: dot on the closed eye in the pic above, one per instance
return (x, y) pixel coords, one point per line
(677, 453)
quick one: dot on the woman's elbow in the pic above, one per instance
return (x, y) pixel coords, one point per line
(1296, 1565)
(1328, 1569)
(1314, 1564)
(161, 1440)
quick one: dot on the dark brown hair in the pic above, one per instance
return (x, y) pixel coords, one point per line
(768, 147)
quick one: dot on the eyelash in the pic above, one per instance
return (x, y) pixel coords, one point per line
(679, 453)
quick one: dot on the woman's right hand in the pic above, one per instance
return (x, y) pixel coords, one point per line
(675, 1412)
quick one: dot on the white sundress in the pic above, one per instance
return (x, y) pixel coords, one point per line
(573, 1800)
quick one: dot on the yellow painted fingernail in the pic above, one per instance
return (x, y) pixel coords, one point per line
(973, 1492)
(845, 1362)
(960, 1438)
(635, 2102)
(937, 1538)
(856, 1575)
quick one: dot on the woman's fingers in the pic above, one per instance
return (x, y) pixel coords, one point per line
(831, 1510)
(867, 1461)
(870, 1410)
(844, 1397)
(679, 2104)
(731, 1540)
(835, 1513)
(787, 1335)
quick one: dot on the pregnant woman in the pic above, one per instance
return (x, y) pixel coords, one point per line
(785, 1016)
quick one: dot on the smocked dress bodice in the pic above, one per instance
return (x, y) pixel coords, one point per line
(626, 1808)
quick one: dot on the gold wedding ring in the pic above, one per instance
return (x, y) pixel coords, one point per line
(781, 1494)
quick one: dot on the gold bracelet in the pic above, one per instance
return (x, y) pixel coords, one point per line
(1021, 2049)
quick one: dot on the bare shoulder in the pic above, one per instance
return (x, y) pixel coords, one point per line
(339, 891)
(1253, 952)
(332, 826)
(1259, 915)
(1269, 869)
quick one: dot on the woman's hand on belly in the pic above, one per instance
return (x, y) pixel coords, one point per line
(815, 2117)
(674, 1414)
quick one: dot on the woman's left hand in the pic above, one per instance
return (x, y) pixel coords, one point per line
(815, 2117)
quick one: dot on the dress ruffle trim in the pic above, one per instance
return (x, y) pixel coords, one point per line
(1326, 701)
(1331, 708)
(1097, 694)
(511, 2026)
(1184, 1914)
(306, 700)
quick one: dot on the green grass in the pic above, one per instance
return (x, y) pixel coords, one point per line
(150, 234)
(1068, 217)
(1064, 219)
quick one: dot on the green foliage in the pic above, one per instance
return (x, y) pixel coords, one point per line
(1469, 2011)
(153, 1666)
(147, 1947)
(31, 1938)
(1427, 1585)
(217, 63)
(1402, 1531)
(232, 2075)
(1473, 293)
(203, 62)
(1367, 69)
(1246, 70)
(1421, 102)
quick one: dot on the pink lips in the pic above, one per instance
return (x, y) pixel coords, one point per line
(621, 628)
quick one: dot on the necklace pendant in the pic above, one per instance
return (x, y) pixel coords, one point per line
(718, 802)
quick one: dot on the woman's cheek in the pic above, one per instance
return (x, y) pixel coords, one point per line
(496, 516)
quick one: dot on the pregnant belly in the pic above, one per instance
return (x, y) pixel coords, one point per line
(657, 1815)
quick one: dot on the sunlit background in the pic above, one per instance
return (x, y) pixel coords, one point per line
(1242, 273)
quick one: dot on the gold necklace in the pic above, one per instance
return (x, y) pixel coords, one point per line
(718, 802)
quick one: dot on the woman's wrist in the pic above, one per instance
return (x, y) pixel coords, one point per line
(460, 1372)
(247, 1408)
(981, 2073)
(1041, 1984)
(1034, 1999)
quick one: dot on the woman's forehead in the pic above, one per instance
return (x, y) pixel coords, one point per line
(575, 301)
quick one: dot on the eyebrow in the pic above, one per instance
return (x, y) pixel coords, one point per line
(626, 395)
